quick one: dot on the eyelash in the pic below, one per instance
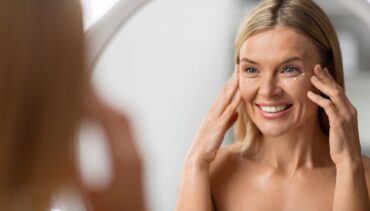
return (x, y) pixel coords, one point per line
(290, 67)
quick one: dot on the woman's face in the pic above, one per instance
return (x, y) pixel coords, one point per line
(275, 70)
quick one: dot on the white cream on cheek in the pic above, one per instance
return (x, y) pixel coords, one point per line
(268, 52)
(301, 78)
(293, 88)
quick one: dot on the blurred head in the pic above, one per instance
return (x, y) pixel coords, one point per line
(42, 82)
(268, 40)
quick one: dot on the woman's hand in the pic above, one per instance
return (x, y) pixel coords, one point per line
(343, 135)
(125, 191)
(219, 118)
(350, 187)
(195, 190)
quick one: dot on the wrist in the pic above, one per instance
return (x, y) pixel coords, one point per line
(193, 162)
(350, 165)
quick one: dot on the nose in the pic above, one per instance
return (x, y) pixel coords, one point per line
(269, 86)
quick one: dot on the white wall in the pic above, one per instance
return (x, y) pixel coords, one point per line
(164, 68)
(358, 91)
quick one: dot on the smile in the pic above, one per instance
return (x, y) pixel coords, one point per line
(274, 111)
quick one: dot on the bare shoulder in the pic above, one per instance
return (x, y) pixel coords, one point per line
(227, 159)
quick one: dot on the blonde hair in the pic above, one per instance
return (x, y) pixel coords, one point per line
(42, 83)
(306, 17)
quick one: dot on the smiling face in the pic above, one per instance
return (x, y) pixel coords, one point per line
(276, 66)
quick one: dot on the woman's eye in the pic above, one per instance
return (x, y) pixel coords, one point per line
(250, 70)
(290, 70)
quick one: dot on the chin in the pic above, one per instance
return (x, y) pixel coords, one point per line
(273, 130)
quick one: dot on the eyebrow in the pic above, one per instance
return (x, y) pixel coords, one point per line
(294, 58)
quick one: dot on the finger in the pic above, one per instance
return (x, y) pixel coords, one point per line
(230, 114)
(236, 100)
(324, 76)
(232, 120)
(227, 94)
(324, 103)
(335, 94)
(231, 108)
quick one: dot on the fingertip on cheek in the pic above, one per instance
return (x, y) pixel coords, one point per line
(314, 79)
(310, 94)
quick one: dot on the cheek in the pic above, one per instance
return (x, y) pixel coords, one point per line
(298, 86)
(297, 90)
(248, 89)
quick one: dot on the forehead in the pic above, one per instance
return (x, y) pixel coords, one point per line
(278, 43)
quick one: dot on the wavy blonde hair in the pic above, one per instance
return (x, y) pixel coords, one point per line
(306, 17)
(42, 83)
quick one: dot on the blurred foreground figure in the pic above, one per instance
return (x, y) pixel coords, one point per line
(44, 94)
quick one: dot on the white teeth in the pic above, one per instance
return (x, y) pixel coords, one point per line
(273, 109)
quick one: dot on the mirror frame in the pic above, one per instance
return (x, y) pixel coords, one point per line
(99, 35)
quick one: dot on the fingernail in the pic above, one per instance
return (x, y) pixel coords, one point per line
(309, 94)
(320, 68)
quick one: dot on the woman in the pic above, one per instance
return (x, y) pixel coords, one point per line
(297, 145)
(44, 93)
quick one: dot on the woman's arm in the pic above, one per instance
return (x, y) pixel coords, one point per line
(350, 189)
(195, 191)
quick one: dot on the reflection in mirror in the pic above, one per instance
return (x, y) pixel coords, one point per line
(167, 64)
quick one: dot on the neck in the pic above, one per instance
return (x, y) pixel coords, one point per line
(304, 147)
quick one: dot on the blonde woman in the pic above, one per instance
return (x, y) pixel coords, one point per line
(44, 93)
(296, 137)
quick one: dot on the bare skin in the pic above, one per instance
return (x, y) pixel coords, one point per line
(294, 166)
